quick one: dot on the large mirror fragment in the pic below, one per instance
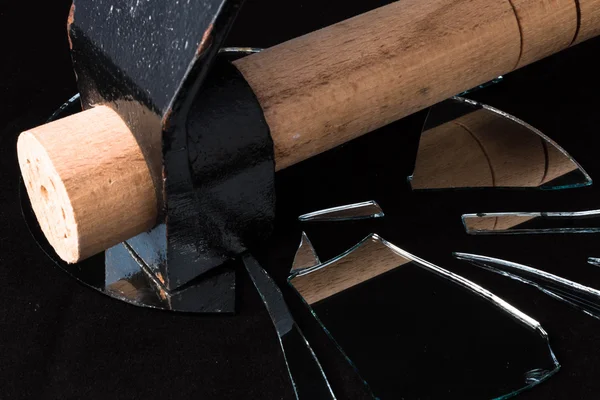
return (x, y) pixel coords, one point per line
(584, 298)
(465, 144)
(404, 322)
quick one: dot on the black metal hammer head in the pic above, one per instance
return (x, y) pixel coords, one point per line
(148, 59)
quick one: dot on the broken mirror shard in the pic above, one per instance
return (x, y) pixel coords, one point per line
(594, 261)
(305, 257)
(405, 323)
(582, 297)
(356, 211)
(510, 223)
(465, 144)
(121, 273)
(307, 376)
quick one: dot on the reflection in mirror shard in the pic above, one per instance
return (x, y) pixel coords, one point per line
(404, 322)
(129, 278)
(364, 210)
(465, 144)
(582, 297)
(532, 222)
(306, 256)
(307, 376)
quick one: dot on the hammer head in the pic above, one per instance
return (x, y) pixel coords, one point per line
(147, 61)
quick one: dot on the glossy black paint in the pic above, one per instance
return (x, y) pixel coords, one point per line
(148, 61)
(121, 274)
(230, 154)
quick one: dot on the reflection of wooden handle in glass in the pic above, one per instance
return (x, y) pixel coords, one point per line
(317, 91)
(359, 266)
(484, 149)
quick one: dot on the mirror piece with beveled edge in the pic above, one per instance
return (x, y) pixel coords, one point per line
(583, 298)
(404, 322)
(347, 212)
(465, 144)
(306, 256)
(516, 223)
(308, 378)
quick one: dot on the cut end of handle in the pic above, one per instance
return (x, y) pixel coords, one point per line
(49, 198)
(88, 182)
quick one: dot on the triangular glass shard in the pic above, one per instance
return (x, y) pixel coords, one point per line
(582, 297)
(356, 211)
(306, 256)
(305, 371)
(405, 323)
(513, 223)
(465, 144)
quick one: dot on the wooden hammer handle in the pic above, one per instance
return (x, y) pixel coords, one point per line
(317, 91)
(330, 86)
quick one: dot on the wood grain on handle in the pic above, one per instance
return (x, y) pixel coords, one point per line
(589, 25)
(484, 149)
(88, 182)
(547, 26)
(333, 85)
(323, 89)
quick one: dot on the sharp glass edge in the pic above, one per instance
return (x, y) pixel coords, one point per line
(588, 178)
(565, 215)
(555, 286)
(306, 255)
(63, 107)
(478, 290)
(364, 210)
(594, 261)
(483, 85)
(284, 323)
(482, 292)
(238, 49)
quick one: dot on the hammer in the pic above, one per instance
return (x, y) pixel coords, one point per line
(95, 181)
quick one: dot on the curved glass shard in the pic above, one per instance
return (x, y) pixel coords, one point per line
(594, 261)
(404, 322)
(306, 256)
(465, 144)
(512, 223)
(305, 371)
(582, 297)
(494, 81)
(356, 211)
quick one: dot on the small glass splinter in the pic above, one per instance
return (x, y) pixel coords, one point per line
(404, 322)
(307, 376)
(364, 210)
(582, 297)
(306, 256)
(465, 144)
(532, 222)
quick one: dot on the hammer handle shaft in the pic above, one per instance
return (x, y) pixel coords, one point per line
(330, 86)
(317, 91)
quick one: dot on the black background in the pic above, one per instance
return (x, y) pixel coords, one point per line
(60, 340)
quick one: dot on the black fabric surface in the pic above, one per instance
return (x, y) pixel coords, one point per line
(60, 340)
